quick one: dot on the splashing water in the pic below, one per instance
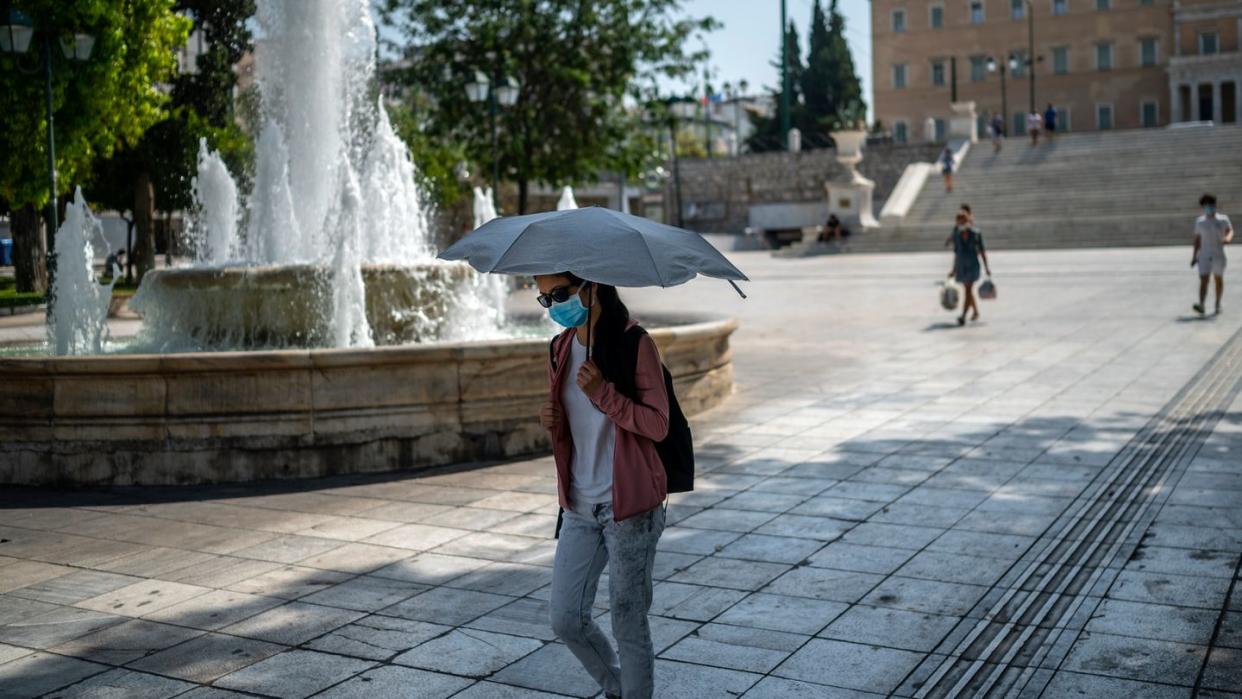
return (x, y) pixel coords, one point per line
(484, 206)
(78, 320)
(215, 199)
(567, 200)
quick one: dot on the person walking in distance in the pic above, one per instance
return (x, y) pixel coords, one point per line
(606, 411)
(997, 127)
(946, 167)
(1050, 122)
(1034, 123)
(1213, 231)
(967, 250)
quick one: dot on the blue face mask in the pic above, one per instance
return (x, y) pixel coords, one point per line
(1209, 210)
(569, 313)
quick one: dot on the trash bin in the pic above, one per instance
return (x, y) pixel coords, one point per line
(6, 251)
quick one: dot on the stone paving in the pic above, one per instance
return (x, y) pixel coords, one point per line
(875, 485)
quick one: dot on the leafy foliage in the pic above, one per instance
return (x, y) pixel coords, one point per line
(576, 63)
(101, 104)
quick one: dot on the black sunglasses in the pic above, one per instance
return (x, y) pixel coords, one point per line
(560, 294)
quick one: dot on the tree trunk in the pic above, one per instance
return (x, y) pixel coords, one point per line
(523, 195)
(29, 249)
(144, 225)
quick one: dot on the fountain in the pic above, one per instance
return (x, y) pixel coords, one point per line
(567, 200)
(314, 332)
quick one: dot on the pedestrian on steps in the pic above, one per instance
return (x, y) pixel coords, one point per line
(1050, 122)
(604, 426)
(947, 163)
(967, 250)
(1034, 123)
(1213, 231)
(997, 127)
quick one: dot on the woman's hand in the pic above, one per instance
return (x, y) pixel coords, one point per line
(550, 416)
(589, 377)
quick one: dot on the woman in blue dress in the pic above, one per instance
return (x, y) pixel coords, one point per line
(967, 250)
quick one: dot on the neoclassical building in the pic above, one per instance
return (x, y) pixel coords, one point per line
(1105, 64)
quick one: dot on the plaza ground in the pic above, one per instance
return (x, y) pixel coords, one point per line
(1045, 503)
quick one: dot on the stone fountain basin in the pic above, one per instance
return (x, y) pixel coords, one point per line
(242, 416)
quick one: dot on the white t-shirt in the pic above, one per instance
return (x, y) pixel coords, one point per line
(1033, 121)
(594, 437)
(1211, 232)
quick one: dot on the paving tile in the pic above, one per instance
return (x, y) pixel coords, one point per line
(782, 613)
(430, 568)
(1230, 630)
(74, 587)
(552, 668)
(288, 549)
(356, 558)
(142, 597)
(289, 582)
(677, 680)
(1224, 670)
(701, 542)
(489, 546)
(39, 673)
(1008, 546)
(377, 637)
(8, 652)
(849, 665)
(954, 567)
(1075, 684)
(731, 573)
(54, 627)
(664, 631)
(449, 606)
(121, 684)
(770, 549)
(825, 583)
(864, 559)
(1193, 562)
(293, 674)
(902, 536)
(365, 593)
(1136, 658)
(214, 610)
(806, 527)
(514, 579)
(14, 609)
(668, 563)
(523, 617)
(22, 573)
(468, 652)
(930, 596)
(207, 657)
(692, 602)
(729, 520)
(735, 647)
(1154, 621)
(900, 512)
(408, 512)
(763, 501)
(780, 688)
(126, 642)
(293, 623)
(398, 683)
(891, 628)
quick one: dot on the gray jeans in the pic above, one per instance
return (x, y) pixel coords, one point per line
(589, 540)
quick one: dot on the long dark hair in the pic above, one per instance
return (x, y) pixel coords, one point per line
(607, 339)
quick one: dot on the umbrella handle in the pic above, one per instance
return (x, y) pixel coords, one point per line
(737, 288)
(590, 320)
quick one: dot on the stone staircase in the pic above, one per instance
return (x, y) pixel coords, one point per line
(1121, 188)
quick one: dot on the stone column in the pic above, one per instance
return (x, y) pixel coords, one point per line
(1217, 110)
(1175, 102)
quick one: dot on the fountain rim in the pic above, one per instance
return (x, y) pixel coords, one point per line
(682, 325)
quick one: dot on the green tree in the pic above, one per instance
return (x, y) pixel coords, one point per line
(817, 82)
(100, 104)
(156, 172)
(575, 61)
(845, 86)
(767, 134)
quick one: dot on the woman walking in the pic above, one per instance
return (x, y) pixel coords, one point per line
(967, 250)
(605, 413)
(946, 167)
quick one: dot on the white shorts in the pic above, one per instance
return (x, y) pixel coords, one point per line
(1211, 264)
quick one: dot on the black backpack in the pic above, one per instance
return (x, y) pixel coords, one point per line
(676, 450)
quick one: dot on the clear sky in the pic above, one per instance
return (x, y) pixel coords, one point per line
(749, 40)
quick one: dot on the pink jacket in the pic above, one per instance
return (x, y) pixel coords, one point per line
(638, 480)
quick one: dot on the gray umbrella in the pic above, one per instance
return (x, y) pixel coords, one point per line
(597, 244)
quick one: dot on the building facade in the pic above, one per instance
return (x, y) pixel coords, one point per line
(1104, 64)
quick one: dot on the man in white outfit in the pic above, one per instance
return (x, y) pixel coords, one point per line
(1212, 232)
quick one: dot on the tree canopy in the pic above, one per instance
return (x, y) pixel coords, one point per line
(100, 104)
(579, 66)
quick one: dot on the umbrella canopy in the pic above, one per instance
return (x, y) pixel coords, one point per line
(597, 244)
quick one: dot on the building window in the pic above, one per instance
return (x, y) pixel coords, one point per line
(942, 130)
(1060, 60)
(937, 73)
(900, 133)
(1208, 43)
(899, 21)
(1103, 117)
(1147, 52)
(1145, 2)
(937, 17)
(976, 11)
(1102, 5)
(899, 76)
(1019, 123)
(1104, 56)
(1149, 114)
(1060, 7)
(1017, 9)
(978, 68)
(1019, 64)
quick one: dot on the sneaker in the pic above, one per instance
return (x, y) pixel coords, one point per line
(1218, 309)
(1198, 308)
(961, 320)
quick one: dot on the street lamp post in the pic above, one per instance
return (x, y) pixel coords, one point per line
(995, 66)
(499, 91)
(784, 79)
